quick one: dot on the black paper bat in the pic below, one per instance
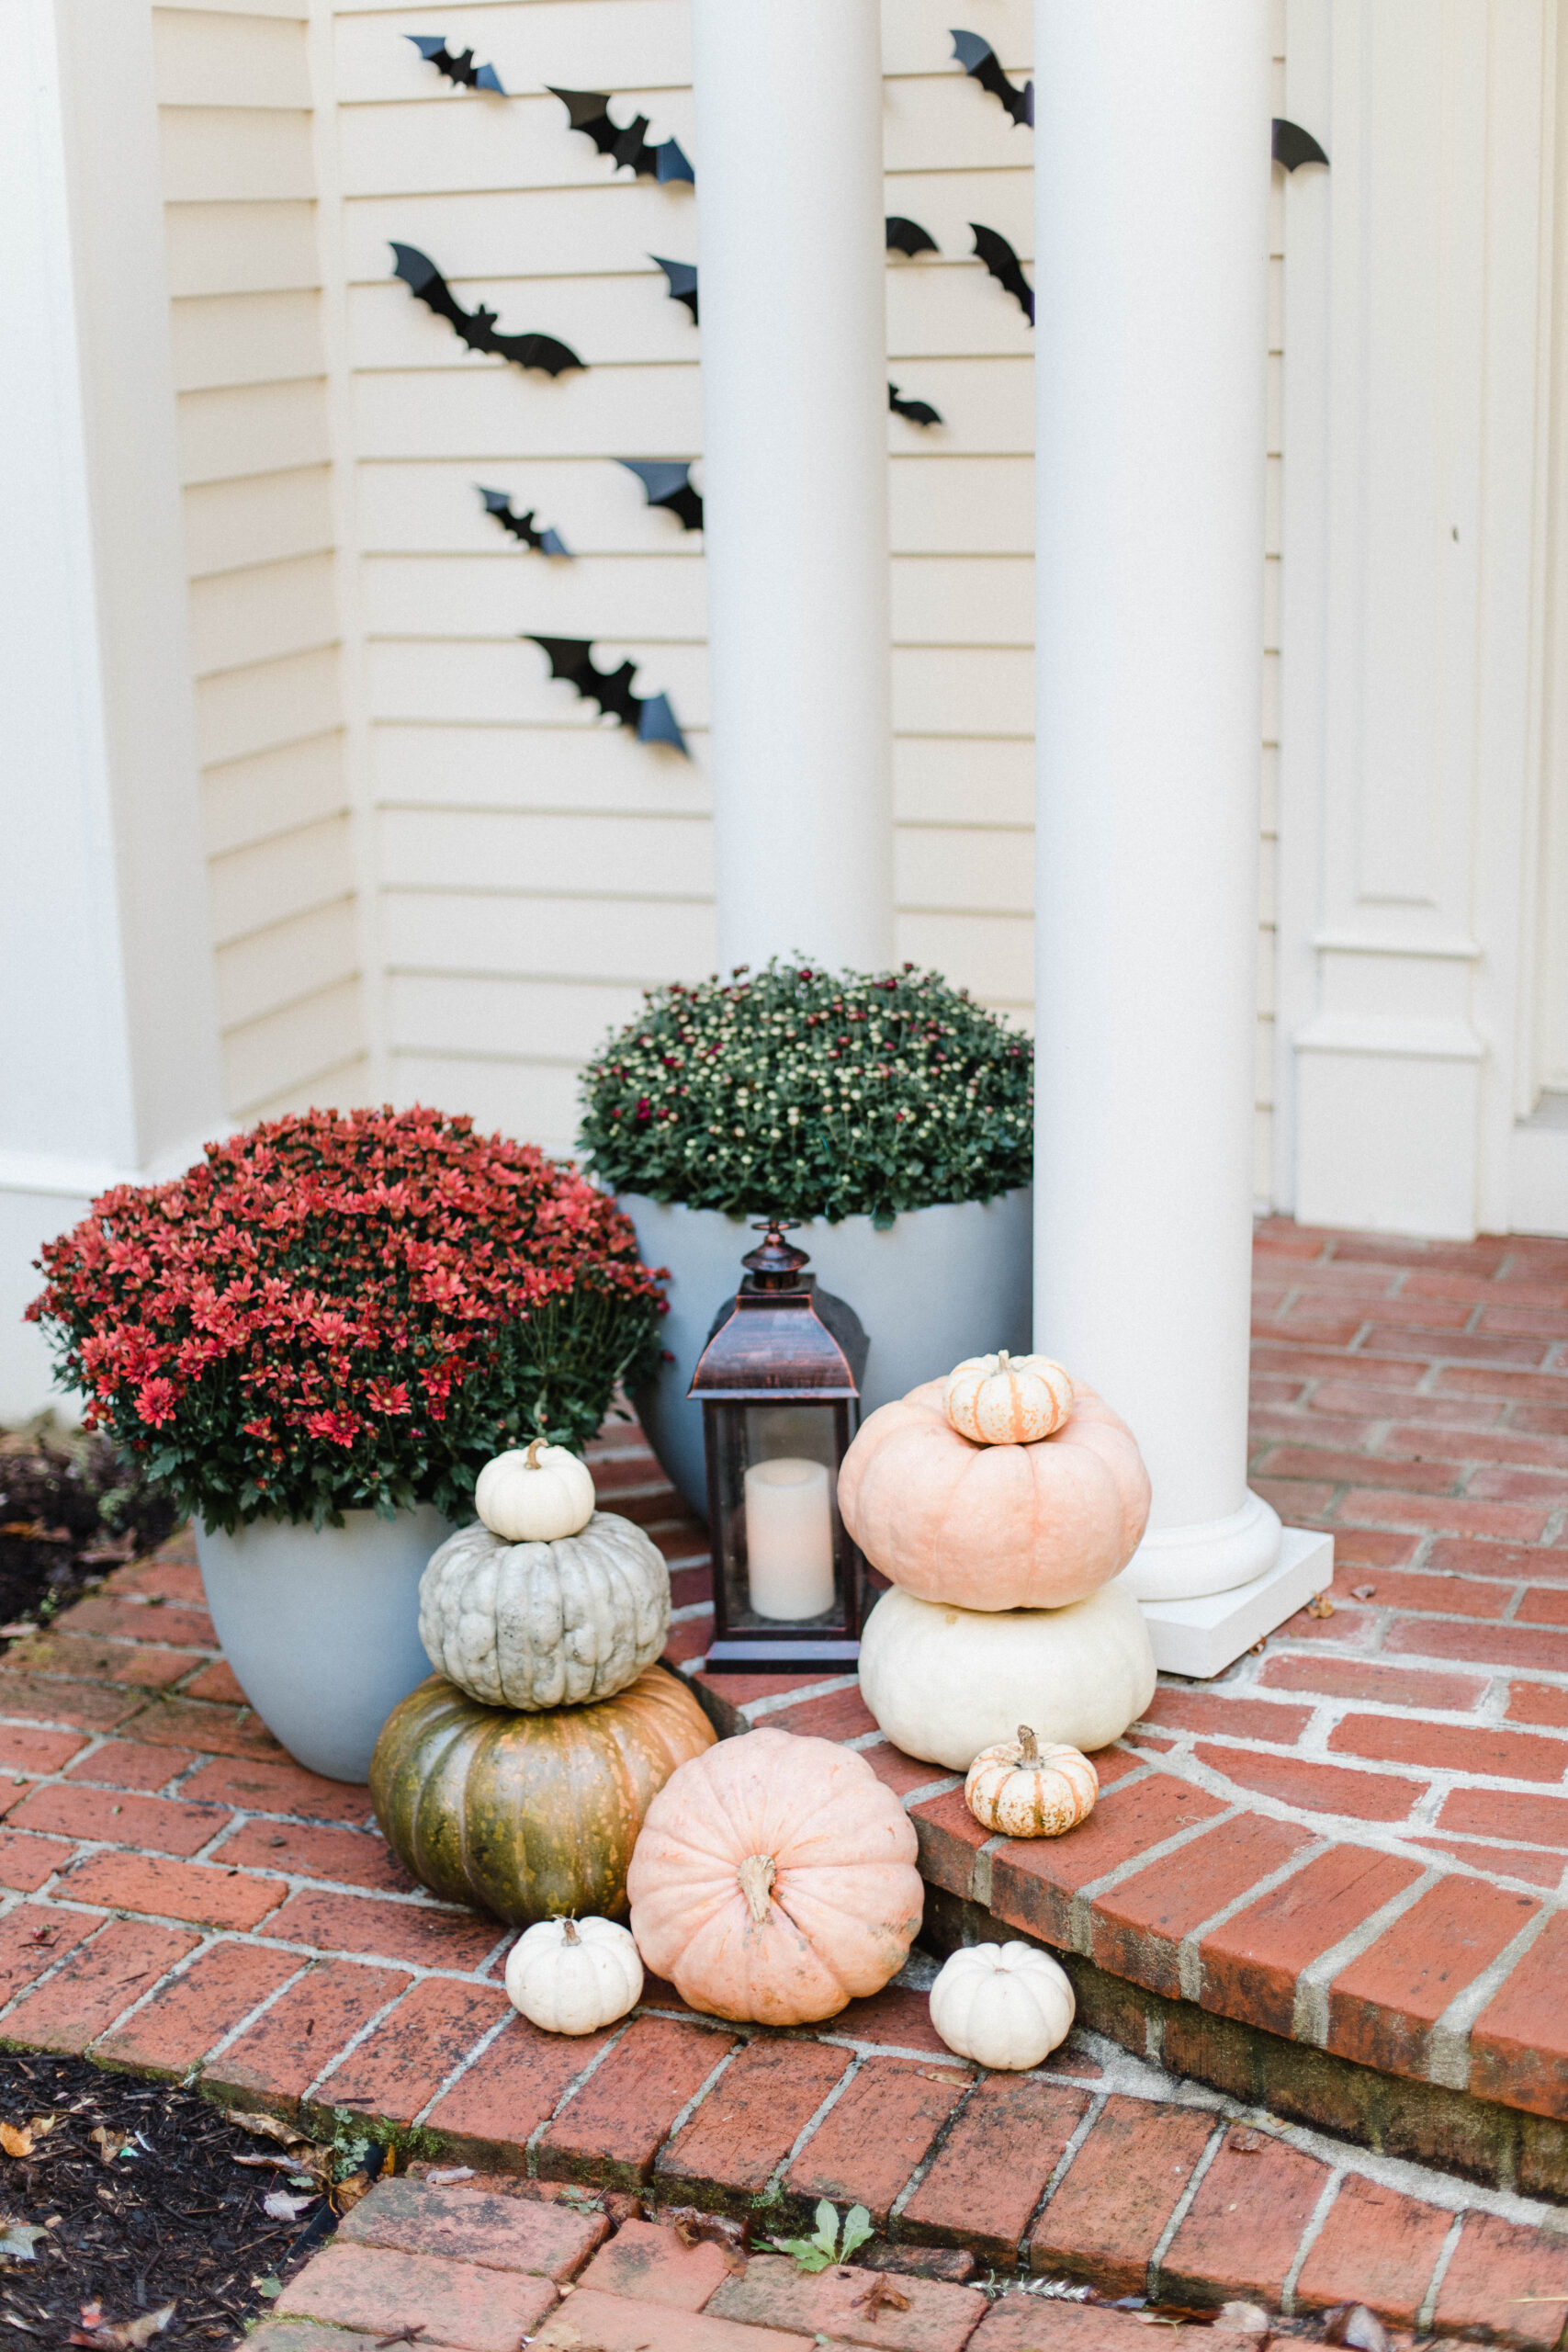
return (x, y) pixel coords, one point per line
(670, 486)
(978, 60)
(649, 715)
(918, 412)
(498, 503)
(993, 249)
(682, 277)
(1292, 145)
(477, 327)
(456, 65)
(908, 237)
(590, 112)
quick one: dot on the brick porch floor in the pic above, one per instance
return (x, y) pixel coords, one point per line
(1328, 1887)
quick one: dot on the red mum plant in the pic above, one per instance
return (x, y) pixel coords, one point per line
(339, 1311)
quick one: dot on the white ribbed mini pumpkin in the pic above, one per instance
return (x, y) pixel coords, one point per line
(1002, 2005)
(536, 1626)
(574, 1975)
(1008, 1400)
(536, 1493)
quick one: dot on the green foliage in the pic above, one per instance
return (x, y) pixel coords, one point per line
(829, 2243)
(812, 1093)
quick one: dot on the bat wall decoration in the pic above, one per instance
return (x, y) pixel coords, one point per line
(1293, 146)
(669, 486)
(477, 327)
(918, 412)
(683, 278)
(993, 249)
(457, 66)
(908, 237)
(498, 503)
(978, 60)
(590, 113)
(649, 716)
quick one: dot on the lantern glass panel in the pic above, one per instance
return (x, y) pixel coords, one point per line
(781, 1547)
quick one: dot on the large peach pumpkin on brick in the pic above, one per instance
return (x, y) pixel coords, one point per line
(994, 1526)
(775, 1880)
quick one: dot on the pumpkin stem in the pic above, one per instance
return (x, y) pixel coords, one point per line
(1004, 1361)
(757, 1874)
(569, 1926)
(535, 1447)
(1028, 1745)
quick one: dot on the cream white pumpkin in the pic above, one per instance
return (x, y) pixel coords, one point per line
(574, 1975)
(1020, 1790)
(534, 1626)
(1008, 1400)
(1003, 2005)
(944, 1682)
(534, 1494)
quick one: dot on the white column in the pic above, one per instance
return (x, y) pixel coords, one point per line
(795, 489)
(1151, 243)
(108, 1047)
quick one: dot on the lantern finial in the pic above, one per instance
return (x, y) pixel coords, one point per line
(775, 1263)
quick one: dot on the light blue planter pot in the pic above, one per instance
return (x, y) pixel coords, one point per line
(322, 1627)
(938, 1284)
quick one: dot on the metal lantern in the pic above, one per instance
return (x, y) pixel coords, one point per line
(779, 1385)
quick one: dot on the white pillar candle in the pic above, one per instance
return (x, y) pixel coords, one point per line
(789, 1538)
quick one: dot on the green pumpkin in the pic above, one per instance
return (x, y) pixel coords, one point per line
(531, 1817)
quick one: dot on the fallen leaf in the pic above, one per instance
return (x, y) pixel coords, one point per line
(126, 2335)
(1246, 2144)
(266, 2127)
(269, 2286)
(880, 2297)
(18, 2239)
(346, 2194)
(17, 2139)
(13, 1633)
(1363, 1591)
(1244, 2319)
(950, 2082)
(108, 2144)
(284, 2208)
(1320, 1606)
(448, 2176)
(1354, 2325)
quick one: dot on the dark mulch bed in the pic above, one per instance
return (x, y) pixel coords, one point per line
(177, 2221)
(72, 1508)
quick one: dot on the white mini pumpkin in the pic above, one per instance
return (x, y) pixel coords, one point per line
(1008, 1400)
(1018, 1789)
(536, 1626)
(1002, 2005)
(536, 1493)
(574, 1975)
(944, 1682)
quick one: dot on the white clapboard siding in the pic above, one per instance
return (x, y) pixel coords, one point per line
(635, 941)
(1263, 1118)
(248, 348)
(547, 1020)
(262, 518)
(534, 866)
(292, 959)
(586, 768)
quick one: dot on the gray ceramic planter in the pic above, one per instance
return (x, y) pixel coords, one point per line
(938, 1284)
(322, 1627)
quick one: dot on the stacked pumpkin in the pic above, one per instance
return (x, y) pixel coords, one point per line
(519, 1775)
(1002, 1503)
(550, 1771)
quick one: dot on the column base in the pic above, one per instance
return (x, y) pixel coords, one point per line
(1201, 1635)
(1205, 1556)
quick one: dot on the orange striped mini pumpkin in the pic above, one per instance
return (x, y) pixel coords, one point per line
(1008, 1400)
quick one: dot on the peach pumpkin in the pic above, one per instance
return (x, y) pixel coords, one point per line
(775, 1880)
(994, 1526)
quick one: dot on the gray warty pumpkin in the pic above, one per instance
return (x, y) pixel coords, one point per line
(536, 1626)
(531, 1817)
